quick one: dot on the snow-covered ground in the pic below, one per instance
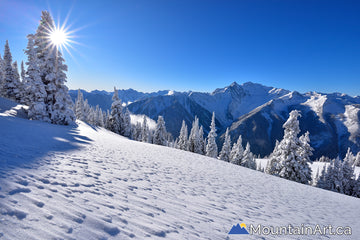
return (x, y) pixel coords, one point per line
(80, 182)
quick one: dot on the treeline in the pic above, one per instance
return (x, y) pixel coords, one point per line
(41, 85)
(118, 120)
(291, 157)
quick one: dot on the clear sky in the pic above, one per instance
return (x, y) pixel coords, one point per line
(200, 45)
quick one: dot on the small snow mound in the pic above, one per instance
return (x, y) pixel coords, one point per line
(11, 108)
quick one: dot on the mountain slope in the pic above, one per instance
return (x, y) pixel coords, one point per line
(80, 182)
(174, 109)
(331, 119)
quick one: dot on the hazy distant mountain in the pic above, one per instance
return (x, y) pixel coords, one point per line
(255, 111)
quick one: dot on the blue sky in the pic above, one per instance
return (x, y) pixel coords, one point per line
(200, 45)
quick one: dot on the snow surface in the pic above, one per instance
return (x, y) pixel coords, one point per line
(81, 182)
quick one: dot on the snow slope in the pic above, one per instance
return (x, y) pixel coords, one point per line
(80, 182)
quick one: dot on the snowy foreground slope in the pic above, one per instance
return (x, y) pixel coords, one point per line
(63, 182)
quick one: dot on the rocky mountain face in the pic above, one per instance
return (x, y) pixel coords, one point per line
(252, 110)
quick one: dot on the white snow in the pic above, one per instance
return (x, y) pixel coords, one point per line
(316, 103)
(81, 182)
(352, 121)
(139, 119)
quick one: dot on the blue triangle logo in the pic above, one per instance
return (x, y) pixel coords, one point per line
(238, 230)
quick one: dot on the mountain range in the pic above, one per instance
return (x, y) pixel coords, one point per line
(252, 110)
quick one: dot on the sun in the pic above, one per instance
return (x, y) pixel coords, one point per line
(59, 37)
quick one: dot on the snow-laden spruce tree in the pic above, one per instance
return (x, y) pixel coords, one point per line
(101, 118)
(194, 137)
(97, 117)
(2, 73)
(226, 148)
(10, 85)
(237, 152)
(202, 140)
(136, 132)
(20, 88)
(286, 160)
(211, 147)
(144, 130)
(127, 123)
(58, 102)
(356, 189)
(91, 116)
(87, 109)
(160, 134)
(107, 116)
(357, 160)
(16, 71)
(332, 178)
(80, 106)
(117, 116)
(182, 142)
(305, 152)
(348, 173)
(321, 180)
(23, 72)
(248, 159)
(349, 157)
(34, 89)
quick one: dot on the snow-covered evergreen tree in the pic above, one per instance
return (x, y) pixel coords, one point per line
(349, 157)
(202, 140)
(107, 120)
(34, 89)
(194, 137)
(20, 89)
(211, 147)
(101, 118)
(356, 189)
(348, 173)
(324, 159)
(160, 133)
(248, 159)
(305, 152)
(144, 130)
(58, 102)
(97, 116)
(2, 75)
(333, 178)
(127, 123)
(226, 148)
(79, 106)
(357, 160)
(87, 109)
(237, 152)
(92, 116)
(117, 117)
(321, 179)
(10, 85)
(286, 160)
(22, 72)
(182, 142)
(16, 71)
(137, 132)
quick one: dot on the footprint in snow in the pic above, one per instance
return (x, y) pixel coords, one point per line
(19, 190)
